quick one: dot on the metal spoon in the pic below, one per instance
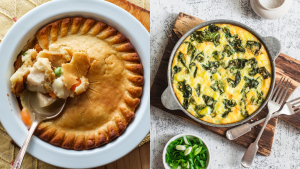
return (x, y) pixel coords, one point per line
(40, 114)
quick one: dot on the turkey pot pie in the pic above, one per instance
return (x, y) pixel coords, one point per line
(221, 73)
(96, 67)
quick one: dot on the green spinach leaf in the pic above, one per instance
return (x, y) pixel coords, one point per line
(244, 113)
(217, 55)
(191, 65)
(176, 69)
(209, 34)
(260, 97)
(237, 80)
(213, 28)
(185, 89)
(250, 83)
(212, 66)
(227, 32)
(229, 103)
(237, 64)
(209, 101)
(254, 69)
(195, 72)
(185, 103)
(182, 59)
(225, 114)
(199, 107)
(199, 57)
(264, 72)
(198, 88)
(218, 86)
(236, 43)
(227, 51)
(254, 47)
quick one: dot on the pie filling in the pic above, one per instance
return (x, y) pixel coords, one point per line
(57, 73)
(221, 73)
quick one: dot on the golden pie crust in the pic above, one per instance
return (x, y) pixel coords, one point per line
(102, 113)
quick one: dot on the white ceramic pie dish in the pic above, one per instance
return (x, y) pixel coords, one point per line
(15, 40)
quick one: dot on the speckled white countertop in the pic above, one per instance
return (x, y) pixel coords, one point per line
(225, 155)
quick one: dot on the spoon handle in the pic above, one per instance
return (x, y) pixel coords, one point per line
(19, 159)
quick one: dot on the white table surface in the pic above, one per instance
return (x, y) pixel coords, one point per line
(225, 155)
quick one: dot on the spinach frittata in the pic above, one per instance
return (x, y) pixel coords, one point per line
(221, 73)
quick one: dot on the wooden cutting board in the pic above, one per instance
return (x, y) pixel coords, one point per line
(285, 65)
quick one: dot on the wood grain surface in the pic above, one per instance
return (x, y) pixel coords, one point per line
(139, 158)
(139, 13)
(285, 65)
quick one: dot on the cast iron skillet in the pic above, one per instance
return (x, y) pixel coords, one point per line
(271, 44)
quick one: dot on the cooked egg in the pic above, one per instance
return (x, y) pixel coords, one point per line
(232, 67)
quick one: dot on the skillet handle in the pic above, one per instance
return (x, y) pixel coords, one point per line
(168, 100)
(273, 45)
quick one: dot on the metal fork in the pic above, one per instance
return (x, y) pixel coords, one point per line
(274, 105)
(288, 109)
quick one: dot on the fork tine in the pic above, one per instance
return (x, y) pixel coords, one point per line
(296, 107)
(279, 86)
(297, 111)
(282, 97)
(275, 88)
(294, 104)
(294, 100)
(282, 91)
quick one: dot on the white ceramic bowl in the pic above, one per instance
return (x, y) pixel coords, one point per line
(189, 136)
(17, 37)
(271, 13)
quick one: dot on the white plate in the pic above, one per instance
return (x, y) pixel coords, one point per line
(24, 29)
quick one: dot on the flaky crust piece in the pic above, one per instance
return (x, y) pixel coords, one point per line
(103, 112)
